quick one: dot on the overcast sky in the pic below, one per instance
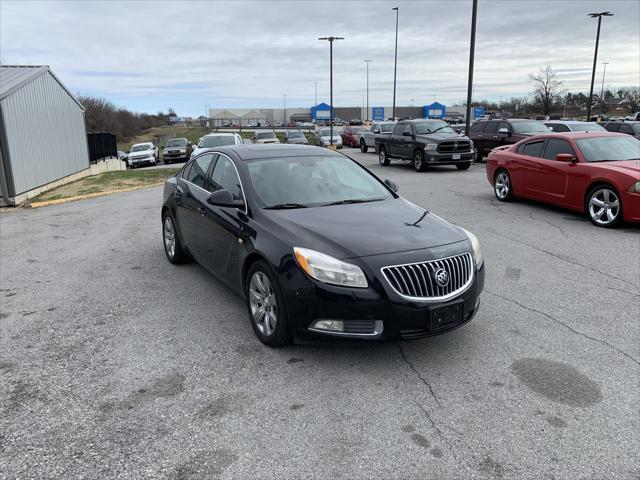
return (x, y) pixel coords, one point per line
(149, 55)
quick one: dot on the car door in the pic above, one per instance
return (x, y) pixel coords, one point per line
(552, 177)
(190, 189)
(524, 167)
(490, 138)
(399, 141)
(220, 227)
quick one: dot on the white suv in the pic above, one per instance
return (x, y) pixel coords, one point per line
(213, 140)
(142, 153)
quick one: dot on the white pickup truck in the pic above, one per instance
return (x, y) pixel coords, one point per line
(142, 153)
(368, 137)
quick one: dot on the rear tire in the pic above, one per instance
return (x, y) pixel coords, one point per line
(463, 166)
(419, 163)
(502, 186)
(266, 306)
(363, 146)
(171, 240)
(383, 158)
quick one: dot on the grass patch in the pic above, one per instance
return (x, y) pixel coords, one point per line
(107, 181)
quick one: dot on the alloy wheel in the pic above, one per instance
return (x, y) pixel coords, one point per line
(502, 186)
(169, 237)
(382, 156)
(604, 206)
(262, 301)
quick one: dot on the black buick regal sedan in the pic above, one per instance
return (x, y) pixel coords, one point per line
(318, 245)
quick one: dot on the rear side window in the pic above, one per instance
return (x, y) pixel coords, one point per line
(612, 127)
(198, 172)
(477, 127)
(492, 127)
(556, 146)
(532, 149)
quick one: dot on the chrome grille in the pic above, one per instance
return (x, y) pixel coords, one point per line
(418, 280)
(454, 146)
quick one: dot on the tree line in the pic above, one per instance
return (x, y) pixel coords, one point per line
(103, 116)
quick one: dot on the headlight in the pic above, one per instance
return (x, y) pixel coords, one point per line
(327, 269)
(183, 150)
(635, 187)
(475, 244)
(431, 146)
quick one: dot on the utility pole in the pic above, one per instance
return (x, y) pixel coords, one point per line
(367, 110)
(331, 40)
(472, 49)
(395, 65)
(602, 89)
(284, 96)
(595, 57)
(316, 85)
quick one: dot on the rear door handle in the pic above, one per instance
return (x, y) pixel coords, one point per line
(202, 211)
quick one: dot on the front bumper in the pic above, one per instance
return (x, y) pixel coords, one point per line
(434, 157)
(373, 313)
(141, 161)
(174, 157)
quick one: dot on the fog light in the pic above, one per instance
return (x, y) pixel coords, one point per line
(329, 325)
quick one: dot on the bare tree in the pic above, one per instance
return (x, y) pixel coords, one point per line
(546, 89)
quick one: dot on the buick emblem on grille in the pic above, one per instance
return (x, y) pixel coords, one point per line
(442, 277)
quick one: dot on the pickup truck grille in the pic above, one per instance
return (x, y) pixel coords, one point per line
(454, 146)
(418, 280)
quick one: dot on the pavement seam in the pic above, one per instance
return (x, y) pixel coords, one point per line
(568, 327)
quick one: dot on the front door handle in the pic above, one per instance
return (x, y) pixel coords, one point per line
(179, 191)
(202, 211)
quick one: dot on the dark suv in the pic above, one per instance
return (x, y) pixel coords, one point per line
(489, 134)
(630, 128)
(424, 143)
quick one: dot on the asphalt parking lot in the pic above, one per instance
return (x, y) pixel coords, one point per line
(115, 363)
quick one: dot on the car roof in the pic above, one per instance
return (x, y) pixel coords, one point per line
(220, 134)
(142, 143)
(565, 122)
(255, 151)
(574, 135)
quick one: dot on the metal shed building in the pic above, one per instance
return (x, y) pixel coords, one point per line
(42, 131)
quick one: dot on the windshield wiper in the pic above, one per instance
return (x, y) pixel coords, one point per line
(439, 128)
(352, 200)
(283, 206)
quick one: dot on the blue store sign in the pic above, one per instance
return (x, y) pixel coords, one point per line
(377, 113)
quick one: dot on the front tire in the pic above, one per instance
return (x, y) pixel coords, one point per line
(383, 158)
(266, 306)
(363, 146)
(604, 207)
(502, 186)
(418, 161)
(477, 155)
(172, 246)
(463, 166)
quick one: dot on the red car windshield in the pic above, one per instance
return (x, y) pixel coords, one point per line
(602, 149)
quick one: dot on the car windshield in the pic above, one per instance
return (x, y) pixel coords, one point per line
(431, 127)
(296, 182)
(140, 148)
(586, 127)
(265, 135)
(176, 143)
(601, 149)
(529, 127)
(295, 133)
(217, 141)
(325, 132)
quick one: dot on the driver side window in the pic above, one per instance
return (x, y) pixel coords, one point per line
(224, 176)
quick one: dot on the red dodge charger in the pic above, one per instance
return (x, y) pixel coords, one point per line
(593, 172)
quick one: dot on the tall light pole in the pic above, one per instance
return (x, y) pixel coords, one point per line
(472, 49)
(595, 57)
(367, 111)
(284, 98)
(602, 89)
(316, 85)
(331, 40)
(395, 65)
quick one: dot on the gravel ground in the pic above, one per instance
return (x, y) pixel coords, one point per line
(114, 363)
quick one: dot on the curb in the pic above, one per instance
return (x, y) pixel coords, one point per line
(91, 195)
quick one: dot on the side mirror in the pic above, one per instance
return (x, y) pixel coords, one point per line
(504, 131)
(377, 130)
(391, 184)
(223, 198)
(565, 157)
(407, 134)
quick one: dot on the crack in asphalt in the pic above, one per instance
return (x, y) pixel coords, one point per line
(548, 223)
(568, 327)
(437, 430)
(613, 289)
(561, 257)
(418, 374)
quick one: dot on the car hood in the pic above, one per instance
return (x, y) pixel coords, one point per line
(141, 153)
(439, 137)
(363, 229)
(630, 167)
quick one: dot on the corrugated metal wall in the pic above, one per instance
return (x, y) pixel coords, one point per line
(45, 134)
